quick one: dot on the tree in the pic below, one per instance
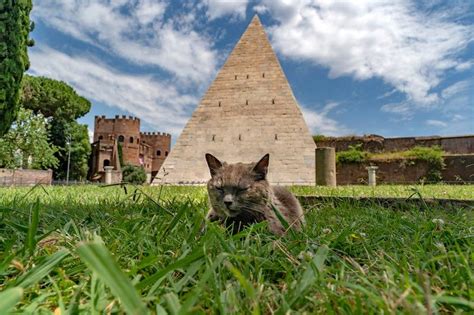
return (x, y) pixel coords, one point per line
(62, 105)
(26, 143)
(134, 174)
(77, 135)
(53, 98)
(14, 29)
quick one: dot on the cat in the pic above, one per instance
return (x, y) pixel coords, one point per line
(240, 195)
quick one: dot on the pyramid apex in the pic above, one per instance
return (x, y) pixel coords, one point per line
(256, 17)
(256, 20)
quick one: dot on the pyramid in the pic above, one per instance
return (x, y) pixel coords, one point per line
(249, 110)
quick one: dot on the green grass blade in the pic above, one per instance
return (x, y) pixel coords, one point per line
(198, 254)
(33, 226)
(96, 256)
(41, 270)
(9, 298)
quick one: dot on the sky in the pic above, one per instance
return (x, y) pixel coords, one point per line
(387, 67)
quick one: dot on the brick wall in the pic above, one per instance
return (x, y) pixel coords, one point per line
(459, 168)
(20, 177)
(373, 143)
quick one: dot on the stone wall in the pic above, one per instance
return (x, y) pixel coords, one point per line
(21, 177)
(374, 143)
(459, 169)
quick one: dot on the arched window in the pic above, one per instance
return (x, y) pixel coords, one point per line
(138, 141)
(101, 137)
(131, 139)
(106, 163)
(121, 138)
(166, 153)
(158, 153)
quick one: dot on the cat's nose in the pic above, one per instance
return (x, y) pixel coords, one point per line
(228, 203)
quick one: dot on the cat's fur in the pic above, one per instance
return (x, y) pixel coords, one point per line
(240, 195)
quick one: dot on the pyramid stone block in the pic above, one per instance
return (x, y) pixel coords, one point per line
(249, 110)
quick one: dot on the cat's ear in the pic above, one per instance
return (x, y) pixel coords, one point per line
(213, 163)
(261, 168)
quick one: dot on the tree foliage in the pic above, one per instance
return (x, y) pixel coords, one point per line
(53, 98)
(14, 29)
(134, 174)
(63, 132)
(26, 144)
(62, 105)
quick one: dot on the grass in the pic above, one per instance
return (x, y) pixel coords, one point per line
(465, 192)
(90, 249)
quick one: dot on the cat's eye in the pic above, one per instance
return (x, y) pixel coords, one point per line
(242, 189)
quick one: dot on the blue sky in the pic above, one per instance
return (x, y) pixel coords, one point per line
(387, 67)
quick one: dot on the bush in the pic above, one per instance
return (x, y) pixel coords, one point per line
(431, 155)
(133, 174)
(353, 155)
(318, 138)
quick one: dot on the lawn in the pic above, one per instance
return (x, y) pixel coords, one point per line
(87, 249)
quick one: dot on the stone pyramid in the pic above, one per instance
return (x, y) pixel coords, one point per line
(248, 111)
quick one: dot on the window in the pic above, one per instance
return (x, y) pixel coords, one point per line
(101, 137)
(166, 153)
(138, 141)
(106, 163)
(158, 153)
(131, 139)
(121, 138)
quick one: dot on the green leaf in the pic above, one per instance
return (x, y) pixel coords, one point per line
(9, 298)
(96, 256)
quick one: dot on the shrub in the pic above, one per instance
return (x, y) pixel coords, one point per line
(353, 155)
(431, 155)
(318, 138)
(133, 174)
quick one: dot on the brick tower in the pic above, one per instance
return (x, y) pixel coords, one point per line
(249, 110)
(122, 133)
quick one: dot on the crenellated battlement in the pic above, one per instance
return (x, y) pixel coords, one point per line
(155, 134)
(117, 118)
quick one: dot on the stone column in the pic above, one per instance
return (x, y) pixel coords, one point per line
(108, 174)
(326, 167)
(372, 175)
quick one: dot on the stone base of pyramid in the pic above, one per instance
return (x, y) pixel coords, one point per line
(288, 171)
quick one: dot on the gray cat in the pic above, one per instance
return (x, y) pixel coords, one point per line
(240, 195)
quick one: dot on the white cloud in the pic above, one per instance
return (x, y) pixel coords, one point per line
(90, 133)
(391, 40)
(436, 123)
(320, 123)
(455, 89)
(220, 8)
(135, 31)
(403, 109)
(153, 101)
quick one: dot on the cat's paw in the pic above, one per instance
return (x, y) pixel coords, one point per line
(212, 216)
